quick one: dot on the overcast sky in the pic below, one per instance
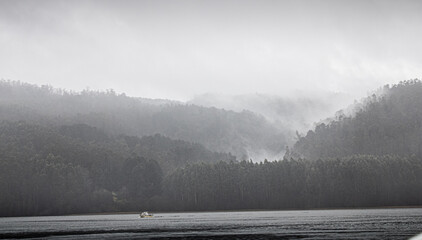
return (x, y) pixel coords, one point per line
(178, 49)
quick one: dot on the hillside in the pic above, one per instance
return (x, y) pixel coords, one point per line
(78, 168)
(243, 134)
(388, 122)
(369, 158)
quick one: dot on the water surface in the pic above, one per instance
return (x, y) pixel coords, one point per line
(313, 224)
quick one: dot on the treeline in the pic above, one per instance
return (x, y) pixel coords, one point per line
(217, 129)
(356, 181)
(389, 122)
(78, 169)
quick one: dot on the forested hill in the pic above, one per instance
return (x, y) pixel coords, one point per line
(80, 169)
(52, 168)
(388, 122)
(241, 133)
(77, 168)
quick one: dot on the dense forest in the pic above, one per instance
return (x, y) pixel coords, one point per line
(355, 181)
(240, 133)
(79, 168)
(387, 122)
(52, 165)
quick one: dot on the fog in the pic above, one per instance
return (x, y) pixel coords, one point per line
(181, 49)
(173, 106)
(297, 110)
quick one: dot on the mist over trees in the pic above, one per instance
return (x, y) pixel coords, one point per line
(239, 133)
(297, 111)
(368, 158)
(81, 152)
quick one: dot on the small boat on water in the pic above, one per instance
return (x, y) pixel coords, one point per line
(145, 215)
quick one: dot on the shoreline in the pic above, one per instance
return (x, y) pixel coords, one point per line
(222, 211)
(246, 210)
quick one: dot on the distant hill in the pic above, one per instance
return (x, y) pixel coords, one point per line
(241, 133)
(388, 122)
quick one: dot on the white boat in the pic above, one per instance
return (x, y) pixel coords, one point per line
(145, 215)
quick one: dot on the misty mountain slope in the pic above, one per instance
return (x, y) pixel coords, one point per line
(292, 112)
(241, 133)
(389, 122)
